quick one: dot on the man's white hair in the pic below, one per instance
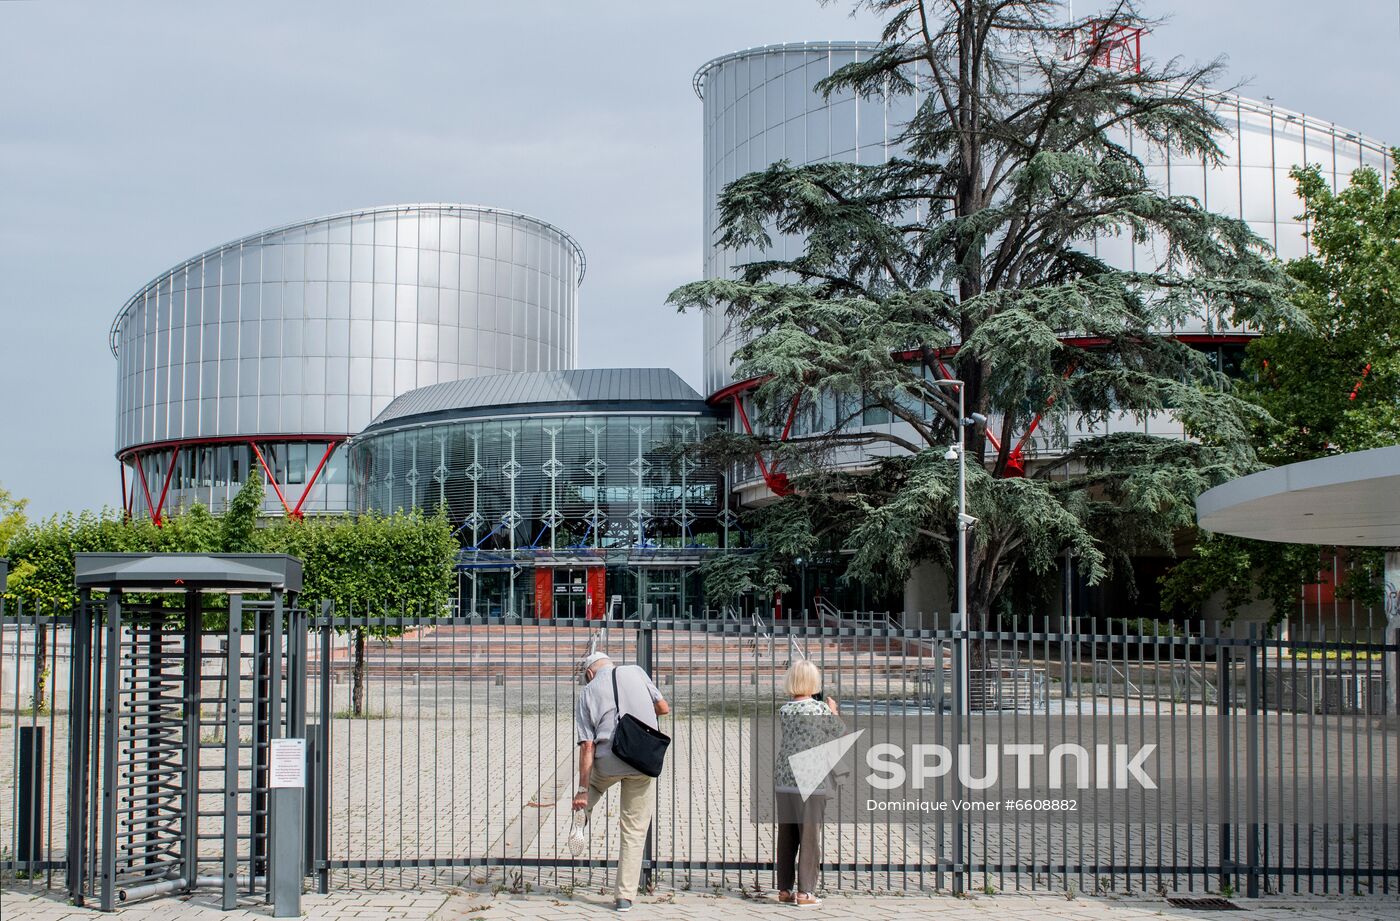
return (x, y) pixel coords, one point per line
(592, 659)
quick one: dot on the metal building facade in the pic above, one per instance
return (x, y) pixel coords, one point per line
(759, 107)
(270, 351)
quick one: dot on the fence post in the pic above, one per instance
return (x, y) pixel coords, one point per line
(30, 847)
(1254, 765)
(194, 691)
(1222, 681)
(1390, 668)
(79, 729)
(321, 829)
(111, 679)
(232, 696)
(646, 658)
(960, 818)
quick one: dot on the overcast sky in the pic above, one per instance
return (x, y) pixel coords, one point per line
(136, 134)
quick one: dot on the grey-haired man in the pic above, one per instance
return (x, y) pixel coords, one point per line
(595, 717)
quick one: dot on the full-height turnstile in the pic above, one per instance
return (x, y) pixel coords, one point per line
(183, 676)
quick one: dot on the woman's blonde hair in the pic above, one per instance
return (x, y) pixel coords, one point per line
(803, 679)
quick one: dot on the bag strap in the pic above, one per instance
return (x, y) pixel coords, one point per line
(617, 706)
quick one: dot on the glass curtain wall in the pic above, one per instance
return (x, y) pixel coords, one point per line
(566, 492)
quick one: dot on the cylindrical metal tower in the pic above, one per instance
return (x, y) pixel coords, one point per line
(759, 107)
(271, 350)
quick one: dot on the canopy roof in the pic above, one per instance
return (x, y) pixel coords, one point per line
(169, 572)
(583, 390)
(1350, 500)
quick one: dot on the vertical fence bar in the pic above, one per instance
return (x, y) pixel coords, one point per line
(1223, 756)
(98, 689)
(646, 658)
(232, 732)
(321, 830)
(1254, 768)
(79, 748)
(194, 667)
(960, 820)
(109, 751)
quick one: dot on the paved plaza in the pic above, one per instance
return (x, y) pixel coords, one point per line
(470, 905)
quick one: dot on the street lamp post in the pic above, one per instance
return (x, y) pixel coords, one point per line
(958, 451)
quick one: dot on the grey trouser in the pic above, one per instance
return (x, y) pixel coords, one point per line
(638, 801)
(799, 843)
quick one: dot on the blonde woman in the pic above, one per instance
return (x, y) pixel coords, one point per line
(804, 721)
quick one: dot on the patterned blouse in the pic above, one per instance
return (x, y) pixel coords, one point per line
(802, 724)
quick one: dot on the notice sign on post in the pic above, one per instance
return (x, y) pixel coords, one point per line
(288, 763)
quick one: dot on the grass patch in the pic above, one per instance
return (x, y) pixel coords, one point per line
(364, 715)
(1336, 654)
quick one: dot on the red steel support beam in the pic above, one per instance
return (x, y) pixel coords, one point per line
(778, 482)
(270, 478)
(1015, 462)
(792, 415)
(126, 503)
(330, 449)
(1357, 389)
(145, 488)
(170, 472)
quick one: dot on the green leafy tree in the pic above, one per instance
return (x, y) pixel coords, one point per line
(975, 246)
(239, 523)
(44, 551)
(1330, 383)
(373, 565)
(12, 518)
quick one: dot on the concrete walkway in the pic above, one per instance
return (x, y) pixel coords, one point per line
(461, 905)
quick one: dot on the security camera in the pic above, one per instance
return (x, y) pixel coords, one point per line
(952, 454)
(979, 418)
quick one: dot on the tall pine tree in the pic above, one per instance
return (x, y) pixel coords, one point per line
(971, 256)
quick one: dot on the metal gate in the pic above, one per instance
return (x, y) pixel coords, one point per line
(174, 701)
(459, 764)
(456, 759)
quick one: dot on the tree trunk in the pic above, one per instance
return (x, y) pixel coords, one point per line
(41, 669)
(357, 675)
(983, 687)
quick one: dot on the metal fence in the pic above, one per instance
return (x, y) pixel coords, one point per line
(442, 750)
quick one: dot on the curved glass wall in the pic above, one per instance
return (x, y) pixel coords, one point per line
(552, 484)
(566, 492)
(310, 330)
(759, 108)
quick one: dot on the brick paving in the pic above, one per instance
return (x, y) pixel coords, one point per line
(21, 902)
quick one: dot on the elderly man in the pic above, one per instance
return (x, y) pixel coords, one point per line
(595, 717)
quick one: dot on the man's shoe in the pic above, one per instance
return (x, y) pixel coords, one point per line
(806, 900)
(578, 835)
(624, 905)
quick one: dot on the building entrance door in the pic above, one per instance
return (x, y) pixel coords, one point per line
(571, 592)
(664, 591)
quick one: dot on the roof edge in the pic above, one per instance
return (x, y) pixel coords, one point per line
(698, 81)
(675, 400)
(358, 212)
(1245, 102)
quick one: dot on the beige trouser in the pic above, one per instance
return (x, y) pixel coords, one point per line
(638, 801)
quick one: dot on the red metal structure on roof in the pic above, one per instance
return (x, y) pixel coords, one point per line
(1108, 44)
(156, 508)
(777, 481)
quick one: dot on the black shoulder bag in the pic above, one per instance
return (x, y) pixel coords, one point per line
(637, 744)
